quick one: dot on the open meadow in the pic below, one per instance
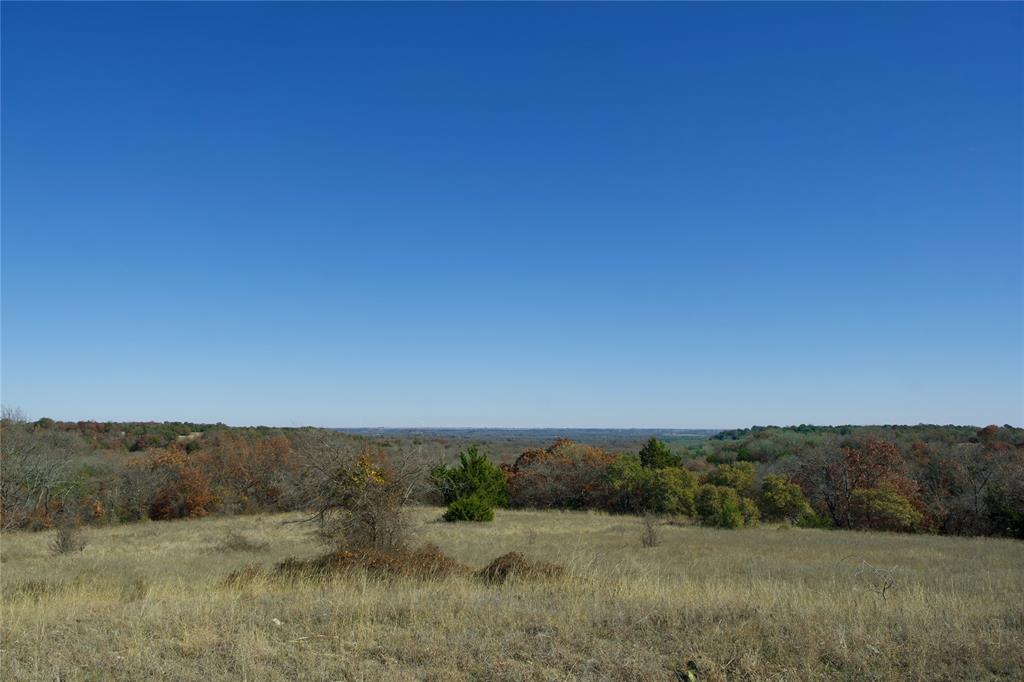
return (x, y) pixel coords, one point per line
(151, 600)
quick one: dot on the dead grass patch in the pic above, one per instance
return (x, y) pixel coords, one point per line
(243, 577)
(150, 601)
(239, 542)
(34, 589)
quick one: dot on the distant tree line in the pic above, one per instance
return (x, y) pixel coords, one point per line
(949, 480)
(935, 479)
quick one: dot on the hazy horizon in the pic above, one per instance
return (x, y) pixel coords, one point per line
(525, 427)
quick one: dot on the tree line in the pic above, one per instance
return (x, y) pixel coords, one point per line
(934, 479)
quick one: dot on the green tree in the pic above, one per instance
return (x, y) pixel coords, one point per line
(639, 489)
(751, 514)
(719, 506)
(739, 476)
(473, 488)
(782, 500)
(883, 508)
(474, 475)
(656, 455)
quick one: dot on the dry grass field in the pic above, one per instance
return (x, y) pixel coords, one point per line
(149, 601)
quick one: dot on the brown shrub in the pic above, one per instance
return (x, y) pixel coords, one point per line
(514, 565)
(565, 475)
(184, 489)
(247, 470)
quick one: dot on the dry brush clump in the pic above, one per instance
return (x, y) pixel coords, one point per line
(514, 566)
(69, 538)
(650, 531)
(426, 562)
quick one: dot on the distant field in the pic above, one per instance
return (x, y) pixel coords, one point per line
(147, 601)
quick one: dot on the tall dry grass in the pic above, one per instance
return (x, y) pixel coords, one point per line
(150, 601)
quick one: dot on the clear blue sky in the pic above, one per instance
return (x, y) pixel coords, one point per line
(514, 215)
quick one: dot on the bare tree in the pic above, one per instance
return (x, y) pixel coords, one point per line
(36, 471)
(354, 489)
(9, 413)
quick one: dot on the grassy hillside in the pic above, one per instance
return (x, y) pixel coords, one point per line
(148, 601)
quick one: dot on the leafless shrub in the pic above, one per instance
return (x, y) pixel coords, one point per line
(13, 414)
(69, 539)
(37, 473)
(355, 491)
(650, 534)
(881, 581)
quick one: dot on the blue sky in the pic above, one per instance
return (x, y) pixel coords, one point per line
(514, 215)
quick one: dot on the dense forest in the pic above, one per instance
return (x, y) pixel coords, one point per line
(929, 479)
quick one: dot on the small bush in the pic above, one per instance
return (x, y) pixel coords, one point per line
(69, 539)
(514, 565)
(650, 535)
(356, 496)
(472, 508)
